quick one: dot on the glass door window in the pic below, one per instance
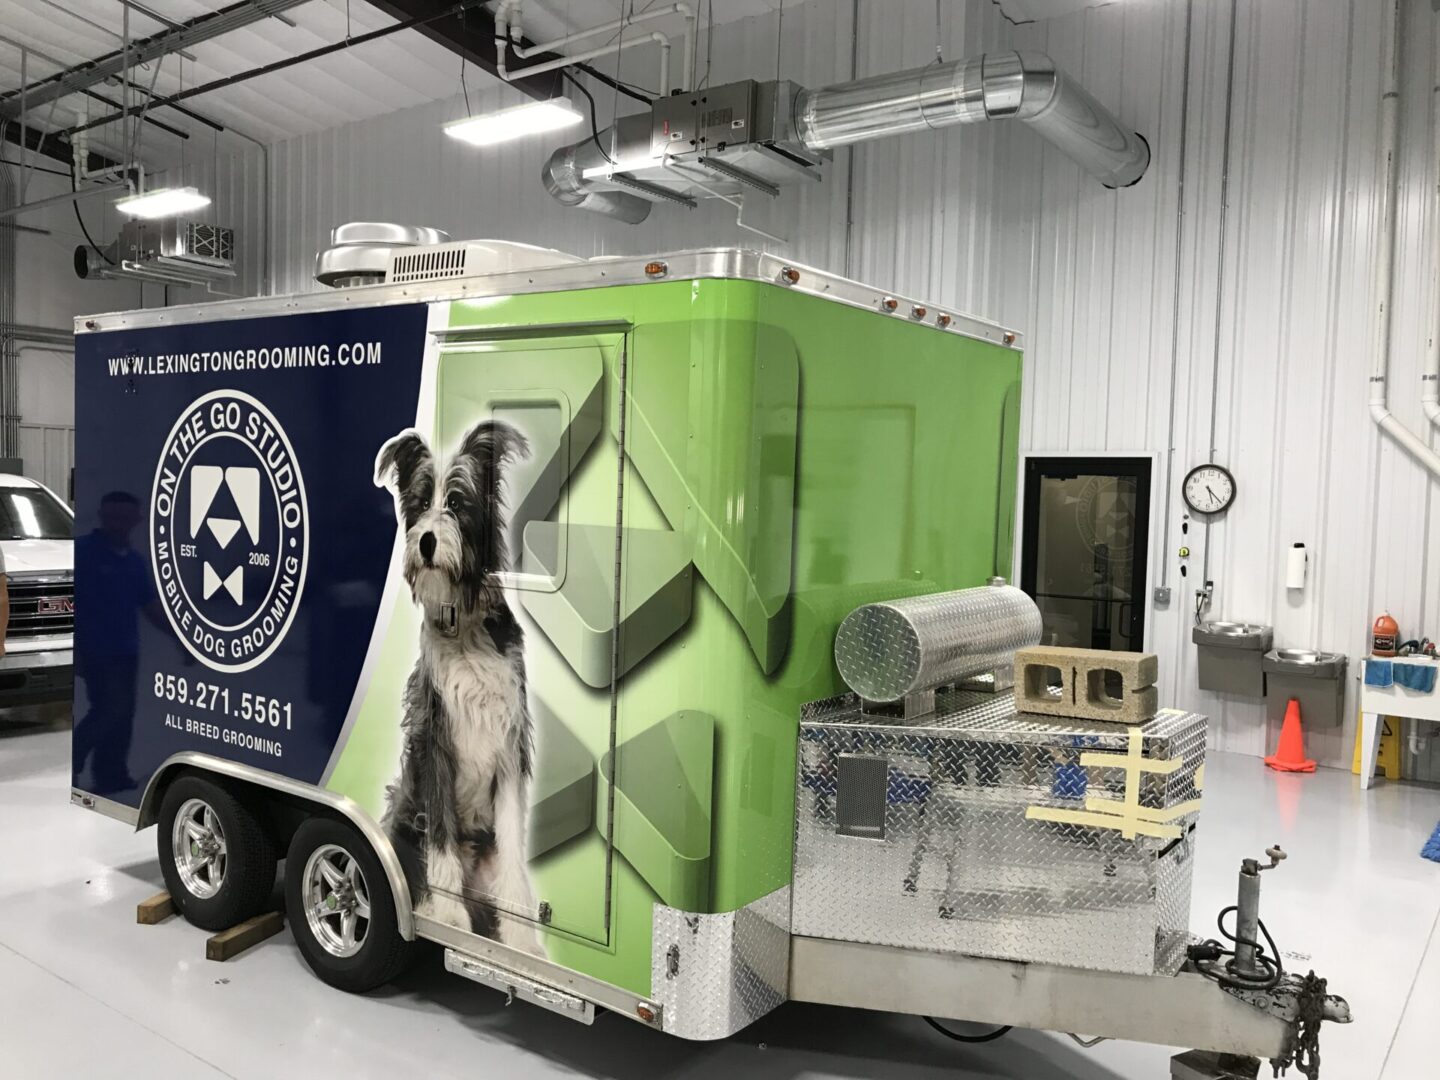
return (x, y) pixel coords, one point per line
(1085, 538)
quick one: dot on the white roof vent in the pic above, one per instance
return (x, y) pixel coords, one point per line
(469, 258)
(359, 251)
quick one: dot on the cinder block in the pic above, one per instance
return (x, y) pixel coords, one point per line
(1082, 683)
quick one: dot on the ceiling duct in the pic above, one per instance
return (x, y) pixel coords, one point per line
(750, 137)
(167, 251)
(997, 86)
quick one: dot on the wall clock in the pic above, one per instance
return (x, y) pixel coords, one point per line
(1208, 489)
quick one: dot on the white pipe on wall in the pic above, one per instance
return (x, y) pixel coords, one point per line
(1385, 286)
(1430, 377)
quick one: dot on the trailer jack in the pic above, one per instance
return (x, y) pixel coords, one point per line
(1260, 980)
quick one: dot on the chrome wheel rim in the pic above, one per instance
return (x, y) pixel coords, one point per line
(337, 900)
(198, 843)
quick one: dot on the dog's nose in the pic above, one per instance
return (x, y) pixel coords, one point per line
(427, 546)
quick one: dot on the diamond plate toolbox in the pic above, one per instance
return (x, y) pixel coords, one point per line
(979, 830)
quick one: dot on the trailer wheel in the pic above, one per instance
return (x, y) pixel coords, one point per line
(217, 859)
(341, 912)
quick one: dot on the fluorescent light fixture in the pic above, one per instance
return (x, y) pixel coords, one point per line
(162, 202)
(506, 124)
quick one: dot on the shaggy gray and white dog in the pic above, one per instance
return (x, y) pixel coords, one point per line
(457, 814)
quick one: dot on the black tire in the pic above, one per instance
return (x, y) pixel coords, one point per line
(247, 876)
(380, 952)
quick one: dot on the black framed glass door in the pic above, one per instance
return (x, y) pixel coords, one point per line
(1085, 535)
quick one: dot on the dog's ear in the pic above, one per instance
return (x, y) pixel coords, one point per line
(490, 447)
(405, 466)
(493, 444)
(400, 459)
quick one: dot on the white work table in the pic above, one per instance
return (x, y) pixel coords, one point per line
(1377, 702)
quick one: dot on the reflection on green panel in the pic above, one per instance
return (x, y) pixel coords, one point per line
(804, 457)
(662, 780)
(562, 791)
(713, 407)
(579, 619)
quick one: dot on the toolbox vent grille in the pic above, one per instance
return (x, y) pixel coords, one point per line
(860, 796)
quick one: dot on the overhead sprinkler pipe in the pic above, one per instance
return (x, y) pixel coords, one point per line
(1415, 446)
(1026, 86)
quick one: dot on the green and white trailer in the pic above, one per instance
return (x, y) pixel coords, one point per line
(726, 454)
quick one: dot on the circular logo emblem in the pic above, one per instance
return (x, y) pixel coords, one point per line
(229, 530)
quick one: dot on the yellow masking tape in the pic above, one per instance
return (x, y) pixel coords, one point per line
(1127, 815)
(1103, 806)
(1099, 759)
(1129, 829)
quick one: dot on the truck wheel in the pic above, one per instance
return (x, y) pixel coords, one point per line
(217, 858)
(341, 912)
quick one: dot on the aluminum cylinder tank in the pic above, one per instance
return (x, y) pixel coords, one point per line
(888, 650)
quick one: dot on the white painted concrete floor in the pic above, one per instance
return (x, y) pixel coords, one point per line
(84, 991)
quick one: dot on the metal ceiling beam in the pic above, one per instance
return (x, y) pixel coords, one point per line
(471, 36)
(449, 11)
(145, 50)
(159, 124)
(65, 10)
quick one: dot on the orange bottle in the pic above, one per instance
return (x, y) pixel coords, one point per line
(1385, 638)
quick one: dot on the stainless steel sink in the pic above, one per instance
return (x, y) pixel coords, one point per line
(1234, 635)
(1229, 656)
(1305, 662)
(1311, 677)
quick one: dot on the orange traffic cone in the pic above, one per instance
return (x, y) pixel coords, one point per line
(1289, 756)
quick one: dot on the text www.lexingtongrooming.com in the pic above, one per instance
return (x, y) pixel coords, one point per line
(348, 354)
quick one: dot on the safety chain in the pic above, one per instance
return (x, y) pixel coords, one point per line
(1310, 1013)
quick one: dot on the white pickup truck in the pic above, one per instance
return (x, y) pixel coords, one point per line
(37, 538)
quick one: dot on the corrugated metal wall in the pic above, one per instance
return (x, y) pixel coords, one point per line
(1250, 315)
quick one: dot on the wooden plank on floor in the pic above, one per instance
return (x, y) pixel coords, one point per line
(157, 909)
(231, 943)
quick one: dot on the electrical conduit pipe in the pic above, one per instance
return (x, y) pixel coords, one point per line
(1389, 138)
(1430, 377)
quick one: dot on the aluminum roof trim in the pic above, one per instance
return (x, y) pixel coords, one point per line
(708, 263)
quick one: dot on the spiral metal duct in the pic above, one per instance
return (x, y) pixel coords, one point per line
(800, 125)
(564, 172)
(996, 86)
(889, 650)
